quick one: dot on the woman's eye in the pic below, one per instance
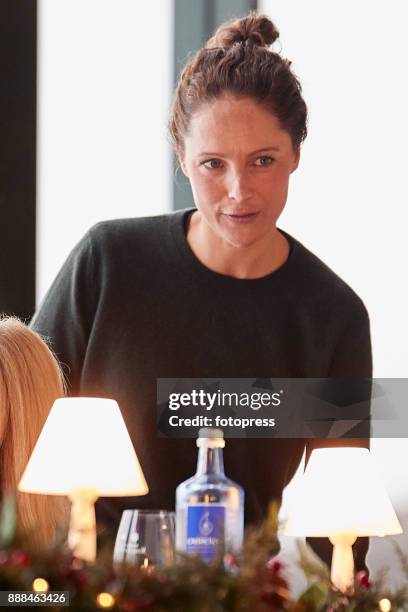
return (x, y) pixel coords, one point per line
(212, 164)
(265, 160)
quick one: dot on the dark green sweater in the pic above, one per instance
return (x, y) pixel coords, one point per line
(132, 303)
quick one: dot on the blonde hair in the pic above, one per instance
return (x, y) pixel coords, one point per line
(30, 382)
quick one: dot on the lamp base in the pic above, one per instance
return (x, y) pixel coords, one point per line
(342, 568)
(82, 527)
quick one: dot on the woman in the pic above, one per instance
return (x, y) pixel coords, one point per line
(30, 382)
(216, 291)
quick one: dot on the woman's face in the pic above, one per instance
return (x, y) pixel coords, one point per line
(238, 160)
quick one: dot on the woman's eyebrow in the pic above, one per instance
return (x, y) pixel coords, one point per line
(265, 149)
(252, 152)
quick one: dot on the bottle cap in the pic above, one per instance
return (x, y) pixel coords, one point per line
(210, 437)
(210, 432)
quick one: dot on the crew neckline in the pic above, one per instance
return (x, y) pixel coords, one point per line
(190, 262)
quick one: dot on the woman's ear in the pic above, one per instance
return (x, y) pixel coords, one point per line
(296, 159)
(182, 163)
(183, 167)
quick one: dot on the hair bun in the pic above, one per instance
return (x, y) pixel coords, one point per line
(255, 28)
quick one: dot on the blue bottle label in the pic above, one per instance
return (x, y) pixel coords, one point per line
(205, 530)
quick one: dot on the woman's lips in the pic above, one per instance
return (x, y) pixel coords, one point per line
(241, 217)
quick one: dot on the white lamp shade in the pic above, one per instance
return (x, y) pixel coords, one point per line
(84, 444)
(341, 492)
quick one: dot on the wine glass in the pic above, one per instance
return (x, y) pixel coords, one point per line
(145, 538)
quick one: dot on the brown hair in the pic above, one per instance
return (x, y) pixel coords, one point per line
(30, 382)
(237, 60)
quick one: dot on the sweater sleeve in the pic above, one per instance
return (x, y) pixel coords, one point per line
(352, 359)
(65, 315)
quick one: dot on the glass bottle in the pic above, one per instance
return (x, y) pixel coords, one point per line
(209, 506)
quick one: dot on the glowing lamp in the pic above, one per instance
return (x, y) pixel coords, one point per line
(84, 451)
(340, 496)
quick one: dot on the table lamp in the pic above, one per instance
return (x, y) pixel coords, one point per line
(340, 496)
(84, 451)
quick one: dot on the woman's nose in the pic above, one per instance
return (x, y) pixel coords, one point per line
(238, 187)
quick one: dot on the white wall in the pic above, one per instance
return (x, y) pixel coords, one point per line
(105, 76)
(349, 198)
